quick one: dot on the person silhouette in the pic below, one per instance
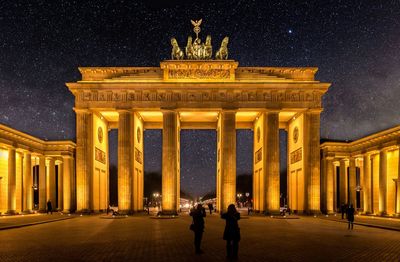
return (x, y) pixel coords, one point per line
(350, 216)
(49, 207)
(231, 232)
(198, 216)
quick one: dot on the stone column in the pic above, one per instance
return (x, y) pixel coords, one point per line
(352, 181)
(67, 184)
(272, 176)
(228, 159)
(343, 182)
(42, 184)
(366, 187)
(170, 163)
(125, 162)
(12, 176)
(60, 187)
(330, 185)
(398, 187)
(52, 183)
(28, 192)
(312, 161)
(382, 182)
(84, 158)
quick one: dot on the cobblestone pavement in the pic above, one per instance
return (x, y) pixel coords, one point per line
(7, 222)
(388, 223)
(139, 238)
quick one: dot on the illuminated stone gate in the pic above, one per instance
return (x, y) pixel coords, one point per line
(213, 94)
(198, 93)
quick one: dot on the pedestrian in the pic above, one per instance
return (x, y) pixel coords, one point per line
(350, 216)
(210, 207)
(49, 207)
(197, 226)
(231, 232)
(342, 209)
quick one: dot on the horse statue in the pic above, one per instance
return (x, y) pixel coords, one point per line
(207, 50)
(189, 49)
(176, 53)
(222, 53)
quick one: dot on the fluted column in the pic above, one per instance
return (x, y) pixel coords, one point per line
(398, 186)
(52, 182)
(60, 186)
(84, 158)
(28, 192)
(343, 182)
(382, 182)
(42, 184)
(352, 181)
(272, 176)
(330, 185)
(228, 159)
(67, 184)
(312, 161)
(170, 163)
(366, 187)
(124, 162)
(12, 175)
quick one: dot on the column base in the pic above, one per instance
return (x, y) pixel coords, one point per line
(313, 212)
(272, 213)
(27, 212)
(124, 212)
(167, 213)
(382, 214)
(397, 215)
(11, 212)
(85, 212)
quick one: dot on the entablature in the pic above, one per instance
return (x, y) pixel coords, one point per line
(11, 138)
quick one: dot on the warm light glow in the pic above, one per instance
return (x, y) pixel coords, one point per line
(198, 116)
(111, 116)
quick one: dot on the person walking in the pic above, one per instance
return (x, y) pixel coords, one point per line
(350, 216)
(197, 226)
(231, 232)
(343, 209)
(210, 207)
(49, 207)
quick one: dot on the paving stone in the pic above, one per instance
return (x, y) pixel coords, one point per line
(139, 238)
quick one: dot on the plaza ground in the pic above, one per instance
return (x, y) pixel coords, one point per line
(140, 238)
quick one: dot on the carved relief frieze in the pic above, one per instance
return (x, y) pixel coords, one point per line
(200, 96)
(296, 156)
(138, 156)
(258, 156)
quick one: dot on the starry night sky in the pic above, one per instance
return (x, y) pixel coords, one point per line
(355, 44)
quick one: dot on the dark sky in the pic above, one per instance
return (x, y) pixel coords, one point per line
(355, 44)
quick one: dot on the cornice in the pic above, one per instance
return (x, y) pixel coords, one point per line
(20, 140)
(385, 139)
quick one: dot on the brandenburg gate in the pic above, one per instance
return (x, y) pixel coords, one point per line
(193, 91)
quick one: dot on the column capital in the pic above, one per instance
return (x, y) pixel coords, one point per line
(314, 110)
(270, 110)
(124, 110)
(228, 110)
(67, 157)
(82, 110)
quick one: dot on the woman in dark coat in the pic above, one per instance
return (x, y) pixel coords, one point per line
(232, 231)
(350, 216)
(198, 216)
